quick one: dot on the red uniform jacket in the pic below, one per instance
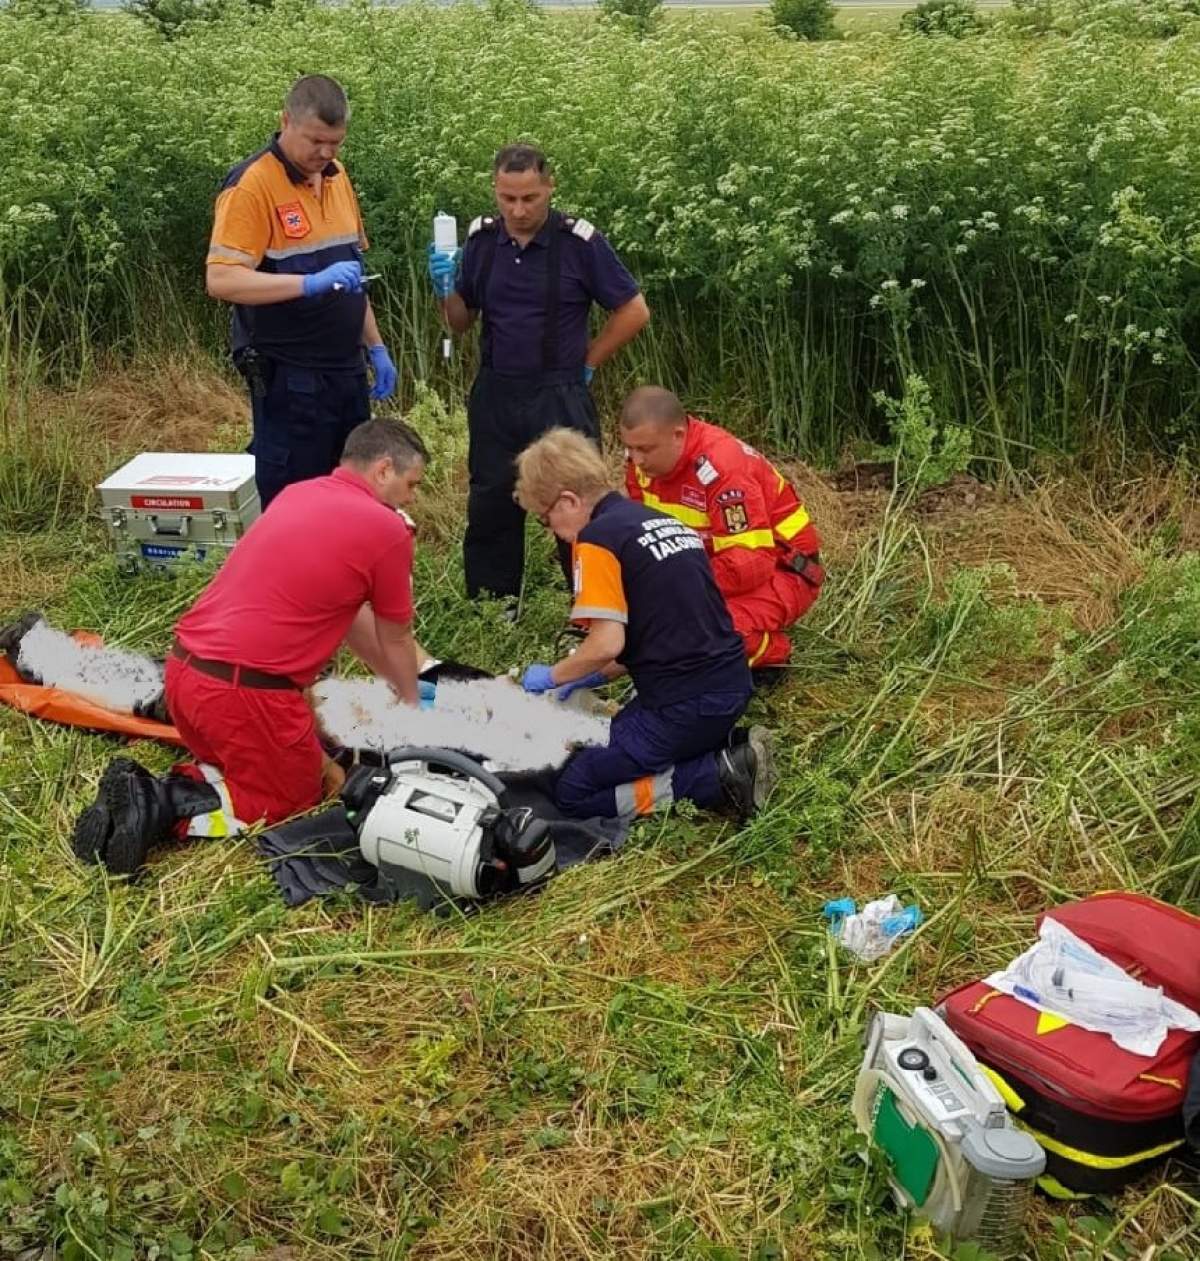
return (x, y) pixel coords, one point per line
(743, 508)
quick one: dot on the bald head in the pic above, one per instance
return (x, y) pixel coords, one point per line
(651, 404)
(654, 429)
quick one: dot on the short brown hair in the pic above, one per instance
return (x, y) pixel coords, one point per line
(652, 403)
(374, 439)
(562, 459)
(318, 96)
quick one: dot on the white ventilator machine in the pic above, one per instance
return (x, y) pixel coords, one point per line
(445, 241)
(954, 1155)
(433, 823)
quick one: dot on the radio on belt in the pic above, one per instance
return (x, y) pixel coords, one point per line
(165, 508)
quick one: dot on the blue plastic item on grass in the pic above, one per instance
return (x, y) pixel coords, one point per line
(838, 910)
(905, 922)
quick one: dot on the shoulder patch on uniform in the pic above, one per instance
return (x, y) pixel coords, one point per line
(481, 223)
(582, 228)
(731, 496)
(705, 471)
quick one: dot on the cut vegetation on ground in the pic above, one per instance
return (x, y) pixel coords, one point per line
(992, 708)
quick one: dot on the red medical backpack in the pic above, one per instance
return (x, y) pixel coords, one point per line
(1103, 1114)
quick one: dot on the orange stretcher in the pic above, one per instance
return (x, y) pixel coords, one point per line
(54, 704)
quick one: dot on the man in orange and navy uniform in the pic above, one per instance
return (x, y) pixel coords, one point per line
(765, 552)
(286, 250)
(645, 593)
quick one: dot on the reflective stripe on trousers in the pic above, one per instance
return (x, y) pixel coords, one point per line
(217, 824)
(645, 795)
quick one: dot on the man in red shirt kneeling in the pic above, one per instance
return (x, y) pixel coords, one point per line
(764, 549)
(330, 562)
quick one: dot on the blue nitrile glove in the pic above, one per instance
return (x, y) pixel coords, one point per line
(538, 678)
(443, 270)
(345, 277)
(427, 691)
(385, 372)
(838, 910)
(588, 373)
(595, 679)
(908, 919)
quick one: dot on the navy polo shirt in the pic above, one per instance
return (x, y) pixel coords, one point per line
(514, 307)
(268, 218)
(650, 572)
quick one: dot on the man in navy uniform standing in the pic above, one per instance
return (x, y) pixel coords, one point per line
(533, 273)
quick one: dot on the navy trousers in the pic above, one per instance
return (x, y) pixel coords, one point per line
(504, 415)
(301, 424)
(653, 757)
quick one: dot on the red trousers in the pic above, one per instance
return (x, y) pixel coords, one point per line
(761, 615)
(264, 743)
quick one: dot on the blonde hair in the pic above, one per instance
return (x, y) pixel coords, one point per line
(561, 459)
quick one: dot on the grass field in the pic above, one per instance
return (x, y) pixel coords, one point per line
(992, 708)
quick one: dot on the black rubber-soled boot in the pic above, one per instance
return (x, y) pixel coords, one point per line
(12, 634)
(747, 772)
(188, 797)
(137, 816)
(90, 837)
(134, 811)
(117, 830)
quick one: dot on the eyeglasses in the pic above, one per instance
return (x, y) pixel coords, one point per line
(544, 517)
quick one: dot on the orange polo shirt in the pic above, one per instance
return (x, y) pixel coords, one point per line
(268, 218)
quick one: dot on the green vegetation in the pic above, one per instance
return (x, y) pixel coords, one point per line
(993, 707)
(965, 252)
(1010, 216)
(804, 19)
(640, 16)
(943, 17)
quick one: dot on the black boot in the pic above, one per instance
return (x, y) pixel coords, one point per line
(746, 772)
(134, 811)
(12, 634)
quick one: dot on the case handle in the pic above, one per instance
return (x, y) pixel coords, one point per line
(177, 527)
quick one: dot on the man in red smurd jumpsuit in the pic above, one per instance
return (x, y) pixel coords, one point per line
(764, 550)
(329, 562)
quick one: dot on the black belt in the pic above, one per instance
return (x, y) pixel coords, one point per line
(239, 676)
